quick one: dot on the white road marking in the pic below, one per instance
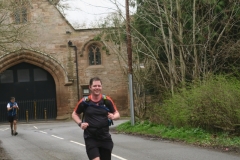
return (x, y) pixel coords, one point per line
(4, 129)
(118, 157)
(78, 143)
(43, 132)
(57, 137)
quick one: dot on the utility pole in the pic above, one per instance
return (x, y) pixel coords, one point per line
(130, 71)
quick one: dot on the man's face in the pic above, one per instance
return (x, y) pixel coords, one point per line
(12, 100)
(96, 88)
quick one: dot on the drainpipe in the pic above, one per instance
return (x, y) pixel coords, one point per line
(70, 44)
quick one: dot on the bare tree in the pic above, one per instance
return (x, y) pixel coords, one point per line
(179, 31)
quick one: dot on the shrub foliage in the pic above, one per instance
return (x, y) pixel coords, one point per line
(213, 105)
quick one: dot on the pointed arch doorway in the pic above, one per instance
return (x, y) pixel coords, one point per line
(34, 90)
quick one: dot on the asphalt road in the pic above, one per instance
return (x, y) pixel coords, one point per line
(64, 141)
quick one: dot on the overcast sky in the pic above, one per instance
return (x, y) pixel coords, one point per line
(87, 12)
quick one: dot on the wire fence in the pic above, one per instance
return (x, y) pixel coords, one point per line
(30, 110)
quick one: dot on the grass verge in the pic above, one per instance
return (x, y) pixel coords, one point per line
(195, 136)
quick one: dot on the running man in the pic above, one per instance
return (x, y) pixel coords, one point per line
(99, 112)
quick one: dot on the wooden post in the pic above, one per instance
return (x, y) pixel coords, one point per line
(35, 110)
(45, 114)
(27, 115)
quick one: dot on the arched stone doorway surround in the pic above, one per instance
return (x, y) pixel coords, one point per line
(48, 63)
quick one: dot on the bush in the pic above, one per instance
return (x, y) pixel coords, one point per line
(214, 105)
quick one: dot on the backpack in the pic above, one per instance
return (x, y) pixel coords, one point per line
(104, 106)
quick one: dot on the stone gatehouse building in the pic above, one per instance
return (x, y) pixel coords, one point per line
(54, 60)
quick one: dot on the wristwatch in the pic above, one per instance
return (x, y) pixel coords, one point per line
(79, 124)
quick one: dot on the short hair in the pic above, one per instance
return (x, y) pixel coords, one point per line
(94, 79)
(12, 98)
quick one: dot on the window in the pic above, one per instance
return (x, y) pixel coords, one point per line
(23, 75)
(94, 55)
(39, 75)
(20, 12)
(7, 76)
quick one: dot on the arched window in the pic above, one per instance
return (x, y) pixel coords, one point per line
(94, 55)
(20, 11)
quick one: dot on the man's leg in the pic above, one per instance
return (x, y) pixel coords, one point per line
(11, 126)
(106, 149)
(93, 154)
(15, 125)
(105, 153)
(91, 149)
(10, 120)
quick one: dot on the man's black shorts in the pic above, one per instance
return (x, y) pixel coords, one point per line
(99, 148)
(12, 118)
